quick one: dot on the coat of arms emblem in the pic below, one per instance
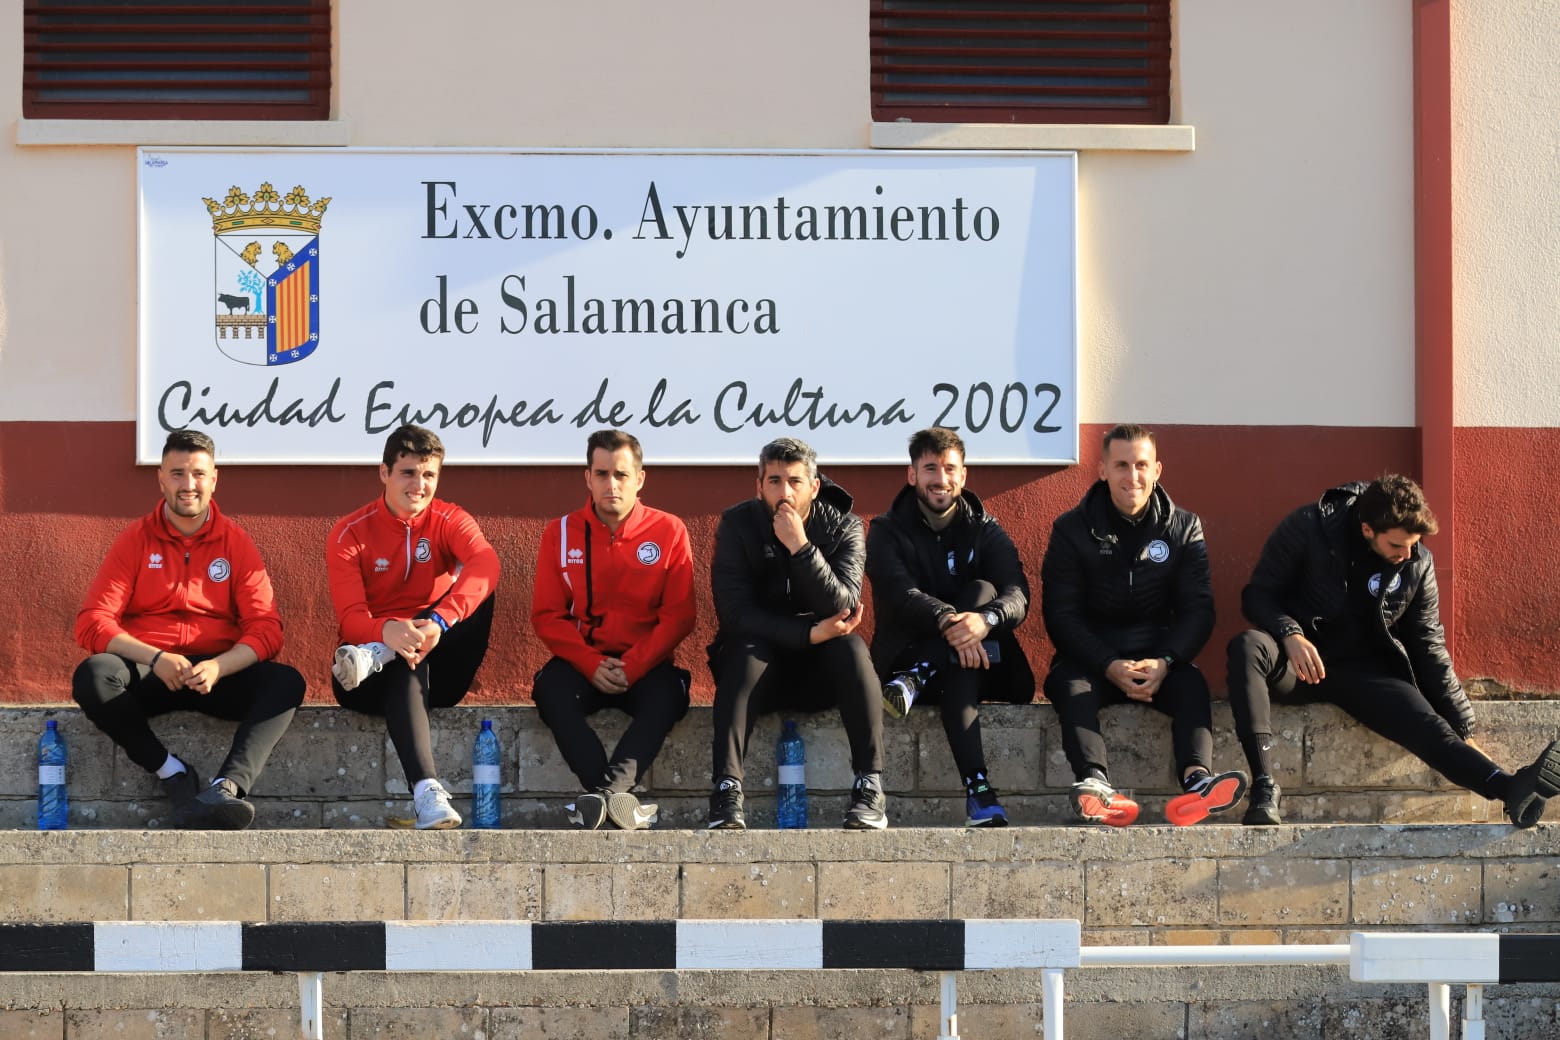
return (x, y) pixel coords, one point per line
(267, 274)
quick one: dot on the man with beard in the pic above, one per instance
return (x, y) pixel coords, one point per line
(181, 617)
(1128, 603)
(1348, 612)
(787, 575)
(948, 589)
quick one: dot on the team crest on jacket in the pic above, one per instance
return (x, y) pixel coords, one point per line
(1158, 550)
(1374, 584)
(424, 551)
(220, 569)
(154, 562)
(266, 276)
(648, 553)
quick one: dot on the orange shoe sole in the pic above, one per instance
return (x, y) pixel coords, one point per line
(1118, 812)
(1226, 790)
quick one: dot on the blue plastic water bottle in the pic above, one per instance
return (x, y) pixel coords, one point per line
(52, 804)
(791, 757)
(485, 778)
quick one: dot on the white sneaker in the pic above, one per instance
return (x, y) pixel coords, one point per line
(357, 661)
(434, 812)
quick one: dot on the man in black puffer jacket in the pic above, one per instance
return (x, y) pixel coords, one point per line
(1128, 604)
(948, 589)
(1345, 601)
(787, 575)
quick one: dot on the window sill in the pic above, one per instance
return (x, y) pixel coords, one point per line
(1095, 137)
(261, 132)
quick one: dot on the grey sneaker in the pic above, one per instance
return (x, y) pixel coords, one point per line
(625, 812)
(589, 810)
(182, 790)
(868, 808)
(434, 811)
(357, 661)
(219, 808)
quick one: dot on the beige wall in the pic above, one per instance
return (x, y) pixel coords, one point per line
(1506, 183)
(1265, 278)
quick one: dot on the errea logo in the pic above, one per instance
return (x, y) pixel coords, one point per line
(154, 562)
(381, 565)
(576, 557)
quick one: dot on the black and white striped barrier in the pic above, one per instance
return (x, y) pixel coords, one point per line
(309, 949)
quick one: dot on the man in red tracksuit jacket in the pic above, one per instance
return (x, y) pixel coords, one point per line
(181, 618)
(412, 580)
(613, 598)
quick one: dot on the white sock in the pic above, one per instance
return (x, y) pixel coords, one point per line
(172, 767)
(422, 785)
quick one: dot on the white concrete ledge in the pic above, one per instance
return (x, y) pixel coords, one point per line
(1070, 137)
(249, 132)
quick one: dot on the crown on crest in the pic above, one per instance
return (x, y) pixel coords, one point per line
(266, 209)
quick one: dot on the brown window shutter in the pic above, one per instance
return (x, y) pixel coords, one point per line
(1020, 61)
(176, 59)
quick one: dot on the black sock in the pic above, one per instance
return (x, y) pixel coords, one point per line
(975, 779)
(1195, 777)
(1257, 747)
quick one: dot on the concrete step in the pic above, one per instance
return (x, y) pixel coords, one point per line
(336, 769)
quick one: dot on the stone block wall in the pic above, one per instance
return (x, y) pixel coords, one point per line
(1143, 885)
(336, 769)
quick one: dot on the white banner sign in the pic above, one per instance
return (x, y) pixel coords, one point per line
(299, 304)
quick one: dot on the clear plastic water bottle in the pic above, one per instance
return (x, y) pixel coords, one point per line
(485, 778)
(53, 806)
(791, 758)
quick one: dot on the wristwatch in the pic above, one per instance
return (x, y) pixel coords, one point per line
(1169, 659)
(991, 618)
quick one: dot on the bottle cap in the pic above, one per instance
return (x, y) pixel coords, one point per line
(487, 723)
(50, 725)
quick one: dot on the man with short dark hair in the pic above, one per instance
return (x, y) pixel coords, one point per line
(412, 580)
(181, 617)
(948, 589)
(1128, 603)
(613, 598)
(1347, 611)
(787, 575)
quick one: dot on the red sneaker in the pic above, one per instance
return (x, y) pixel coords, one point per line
(1211, 794)
(1095, 801)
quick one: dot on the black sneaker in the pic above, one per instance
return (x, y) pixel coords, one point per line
(726, 806)
(1262, 805)
(589, 810)
(219, 808)
(868, 807)
(182, 790)
(1532, 786)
